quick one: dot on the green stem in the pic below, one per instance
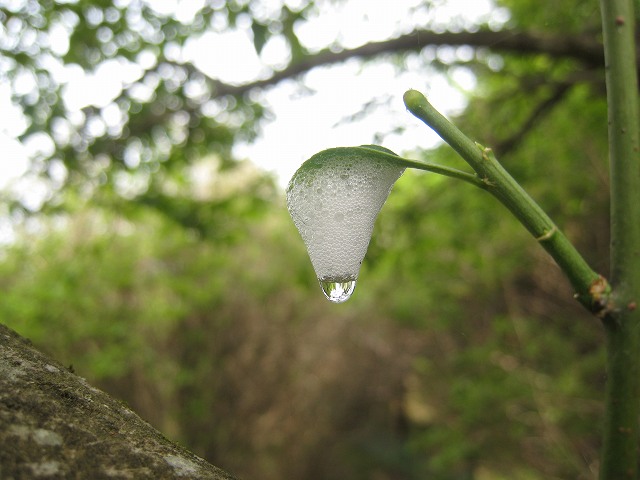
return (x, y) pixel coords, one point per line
(429, 167)
(591, 288)
(620, 439)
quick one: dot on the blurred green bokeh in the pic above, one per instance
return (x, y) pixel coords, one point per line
(461, 354)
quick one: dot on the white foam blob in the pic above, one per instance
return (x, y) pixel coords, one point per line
(334, 199)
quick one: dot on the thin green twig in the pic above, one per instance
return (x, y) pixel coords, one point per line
(591, 288)
(430, 167)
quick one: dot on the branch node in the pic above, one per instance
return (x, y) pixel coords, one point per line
(601, 302)
(486, 151)
(547, 235)
(488, 182)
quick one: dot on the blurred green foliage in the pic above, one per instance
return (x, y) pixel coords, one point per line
(461, 355)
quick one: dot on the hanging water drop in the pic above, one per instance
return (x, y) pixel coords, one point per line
(337, 290)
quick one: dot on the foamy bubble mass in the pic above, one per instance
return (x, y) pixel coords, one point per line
(334, 199)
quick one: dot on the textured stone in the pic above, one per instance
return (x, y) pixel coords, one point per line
(54, 425)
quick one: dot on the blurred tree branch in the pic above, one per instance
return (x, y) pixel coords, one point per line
(584, 48)
(543, 108)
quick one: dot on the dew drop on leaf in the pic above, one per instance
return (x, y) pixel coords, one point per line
(337, 290)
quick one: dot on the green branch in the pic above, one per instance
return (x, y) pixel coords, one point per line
(591, 289)
(620, 439)
(423, 165)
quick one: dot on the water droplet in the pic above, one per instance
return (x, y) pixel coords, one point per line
(337, 290)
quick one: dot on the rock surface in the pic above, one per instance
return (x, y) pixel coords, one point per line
(54, 425)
